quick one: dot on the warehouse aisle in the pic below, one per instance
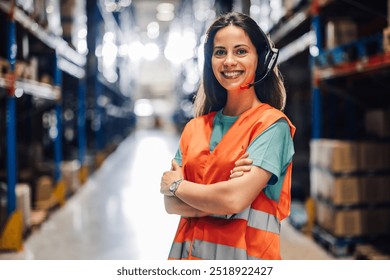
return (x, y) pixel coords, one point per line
(119, 212)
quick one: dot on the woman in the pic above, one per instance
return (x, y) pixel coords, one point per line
(231, 206)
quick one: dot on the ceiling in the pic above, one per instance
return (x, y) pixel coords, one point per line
(145, 12)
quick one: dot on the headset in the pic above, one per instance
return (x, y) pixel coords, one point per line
(269, 62)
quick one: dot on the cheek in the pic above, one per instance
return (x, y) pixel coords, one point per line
(214, 66)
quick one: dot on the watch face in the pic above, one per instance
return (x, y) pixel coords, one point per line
(172, 187)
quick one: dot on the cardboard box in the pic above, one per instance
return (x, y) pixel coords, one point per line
(334, 155)
(340, 32)
(23, 204)
(43, 189)
(377, 122)
(349, 190)
(353, 222)
(340, 156)
(70, 171)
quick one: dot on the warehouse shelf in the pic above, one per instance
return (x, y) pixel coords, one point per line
(291, 25)
(296, 47)
(32, 121)
(324, 75)
(34, 88)
(294, 37)
(366, 65)
(50, 40)
(340, 124)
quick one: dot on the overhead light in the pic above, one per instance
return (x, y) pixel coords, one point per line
(136, 51)
(151, 51)
(165, 12)
(125, 3)
(143, 108)
(165, 7)
(165, 16)
(153, 30)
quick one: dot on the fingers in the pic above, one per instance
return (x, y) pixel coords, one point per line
(175, 165)
(236, 174)
(244, 168)
(243, 162)
(246, 155)
(242, 165)
(239, 171)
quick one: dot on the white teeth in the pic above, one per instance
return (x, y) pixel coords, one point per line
(231, 74)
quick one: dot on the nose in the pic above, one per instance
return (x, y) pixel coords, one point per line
(229, 60)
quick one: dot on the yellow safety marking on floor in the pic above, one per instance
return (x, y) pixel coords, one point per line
(59, 192)
(84, 173)
(12, 235)
(100, 157)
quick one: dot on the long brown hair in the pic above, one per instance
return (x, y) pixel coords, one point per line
(212, 97)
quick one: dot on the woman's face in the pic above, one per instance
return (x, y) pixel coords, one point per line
(234, 59)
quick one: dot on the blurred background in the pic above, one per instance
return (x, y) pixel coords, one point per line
(94, 95)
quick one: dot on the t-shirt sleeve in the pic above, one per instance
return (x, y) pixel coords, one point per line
(178, 157)
(273, 150)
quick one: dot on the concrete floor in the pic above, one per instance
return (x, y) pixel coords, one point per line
(119, 214)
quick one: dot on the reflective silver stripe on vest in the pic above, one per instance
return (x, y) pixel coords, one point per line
(212, 251)
(207, 250)
(180, 250)
(259, 220)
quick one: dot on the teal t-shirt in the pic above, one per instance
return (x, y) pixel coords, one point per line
(272, 150)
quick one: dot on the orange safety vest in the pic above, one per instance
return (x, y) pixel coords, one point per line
(251, 234)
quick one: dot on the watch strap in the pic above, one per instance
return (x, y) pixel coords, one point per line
(175, 185)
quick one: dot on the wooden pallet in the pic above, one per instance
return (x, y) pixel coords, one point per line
(337, 246)
(371, 252)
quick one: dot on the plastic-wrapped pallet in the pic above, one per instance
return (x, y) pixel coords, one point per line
(23, 204)
(70, 171)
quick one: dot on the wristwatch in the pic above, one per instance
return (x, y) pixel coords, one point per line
(174, 186)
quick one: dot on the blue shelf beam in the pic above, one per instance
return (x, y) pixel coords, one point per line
(316, 94)
(10, 120)
(81, 112)
(58, 138)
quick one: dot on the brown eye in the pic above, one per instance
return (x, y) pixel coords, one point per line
(219, 52)
(241, 51)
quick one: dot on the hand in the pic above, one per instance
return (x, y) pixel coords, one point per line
(242, 165)
(169, 177)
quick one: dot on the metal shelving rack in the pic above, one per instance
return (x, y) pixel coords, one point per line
(295, 36)
(338, 72)
(360, 57)
(113, 111)
(66, 60)
(317, 77)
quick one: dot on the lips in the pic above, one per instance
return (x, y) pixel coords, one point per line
(232, 74)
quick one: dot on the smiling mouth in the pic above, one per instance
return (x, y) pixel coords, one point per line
(232, 74)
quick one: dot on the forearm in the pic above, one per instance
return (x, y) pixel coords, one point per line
(173, 205)
(213, 198)
(226, 197)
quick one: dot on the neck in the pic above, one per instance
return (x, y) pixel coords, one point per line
(238, 103)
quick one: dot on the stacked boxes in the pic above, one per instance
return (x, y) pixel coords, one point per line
(23, 204)
(70, 171)
(351, 185)
(344, 222)
(73, 19)
(338, 156)
(349, 189)
(44, 12)
(340, 31)
(377, 123)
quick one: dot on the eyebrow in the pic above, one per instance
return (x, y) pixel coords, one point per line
(236, 46)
